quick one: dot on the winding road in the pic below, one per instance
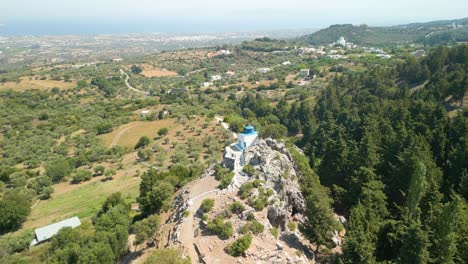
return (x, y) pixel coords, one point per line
(122, 72)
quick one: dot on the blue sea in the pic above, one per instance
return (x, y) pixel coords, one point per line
(89, 27)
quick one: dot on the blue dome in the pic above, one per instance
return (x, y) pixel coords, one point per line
(249, 130)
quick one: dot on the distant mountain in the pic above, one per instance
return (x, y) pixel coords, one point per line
(430, 33)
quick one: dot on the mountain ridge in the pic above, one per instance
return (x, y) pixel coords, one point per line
(427, 33)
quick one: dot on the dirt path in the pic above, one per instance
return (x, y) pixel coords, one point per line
(120, 133)
(225, 125)
(201, 189)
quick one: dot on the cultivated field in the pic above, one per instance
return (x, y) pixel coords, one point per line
(26, 84)
(150, 71)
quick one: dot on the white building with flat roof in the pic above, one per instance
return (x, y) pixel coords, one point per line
(216, 77)
(263, 70)
(304, 72)
(45, 233)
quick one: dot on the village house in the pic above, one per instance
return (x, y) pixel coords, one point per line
(263, 70)
(229, 74)
(145, 113)
(205, 84)
(216, 77)
(304, 73)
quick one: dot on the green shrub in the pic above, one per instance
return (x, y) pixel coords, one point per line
(238, 247)
(207, 205)
(261, 201)
(226, 180)
(225, 214)
(236, 208)
(218, 227)
(292, 226)
(247, 187)
(143, 142)
(250, 216)
(258, 204)
(224, 176)
(99, 169)
(163, 131)
(253, 226)
(82, 175)
(275, 232)
(249, 169)
(167, 256)
(186, 214)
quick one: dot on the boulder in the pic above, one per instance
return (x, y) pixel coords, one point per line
(277, 216)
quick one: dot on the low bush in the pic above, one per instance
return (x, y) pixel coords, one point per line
(218, 227)
(224, 176)
(236, 208)
(275, 232)
(292, 226)
(252, 226)
(249, 169)
(238, 247)
(207, 205)
(82, 175)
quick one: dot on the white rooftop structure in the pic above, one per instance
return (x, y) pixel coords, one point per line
(263, 70)
(216, 77)
(206, 84)
(235, 151)
(341, 41)
(45, 233)
(304, 72)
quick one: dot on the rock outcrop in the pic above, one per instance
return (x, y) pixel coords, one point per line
(274, 165)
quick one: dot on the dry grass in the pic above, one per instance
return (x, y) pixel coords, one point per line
(128, 135)
(150, 71)
(27, 84)
(82, 200)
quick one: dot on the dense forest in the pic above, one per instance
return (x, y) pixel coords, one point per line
(432, 33)
(391, 157)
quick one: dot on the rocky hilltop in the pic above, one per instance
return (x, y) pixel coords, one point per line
(266, 188)
(274, 165)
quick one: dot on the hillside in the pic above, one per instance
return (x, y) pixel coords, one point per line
(431, 33)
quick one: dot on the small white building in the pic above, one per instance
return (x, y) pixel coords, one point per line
(45, 233)
(304, 72)
(216, 77)
(224, 52)
(234, 153)
(205, 84)
(286, 63)
(341, 41)
(145, 113)
(263, 70)
(229, 74)
(246, 138)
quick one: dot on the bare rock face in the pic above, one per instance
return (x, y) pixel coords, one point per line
(277, 216)
(275, 165)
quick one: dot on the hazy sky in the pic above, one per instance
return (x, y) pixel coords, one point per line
(240, 14)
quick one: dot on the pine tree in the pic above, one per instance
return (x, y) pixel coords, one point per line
(319, 221)
(445, 233)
